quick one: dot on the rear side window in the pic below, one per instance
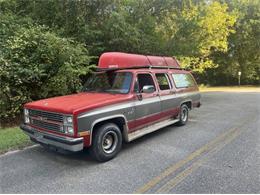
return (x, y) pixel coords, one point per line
(163, 81)
(183, 80)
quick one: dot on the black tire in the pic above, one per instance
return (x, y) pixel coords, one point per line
(102, 137)
(184, 115)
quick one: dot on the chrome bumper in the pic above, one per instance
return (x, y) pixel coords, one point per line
(66, 143)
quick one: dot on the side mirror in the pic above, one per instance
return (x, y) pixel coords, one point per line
(148, 89)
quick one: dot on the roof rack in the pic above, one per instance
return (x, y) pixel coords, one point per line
(140, 67)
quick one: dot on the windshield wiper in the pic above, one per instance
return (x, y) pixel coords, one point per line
(108, 91)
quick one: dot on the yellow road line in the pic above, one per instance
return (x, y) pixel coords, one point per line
(179, 164)
(189, 158)
(181, 176)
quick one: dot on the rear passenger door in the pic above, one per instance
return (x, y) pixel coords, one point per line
(169, 105)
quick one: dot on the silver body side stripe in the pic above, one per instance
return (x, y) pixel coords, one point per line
(133, 110)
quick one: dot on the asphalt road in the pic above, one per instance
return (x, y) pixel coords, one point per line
(218, 151)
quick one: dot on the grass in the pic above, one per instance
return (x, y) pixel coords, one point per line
(242, 88)
(12, 139)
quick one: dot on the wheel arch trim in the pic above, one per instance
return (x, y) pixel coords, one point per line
(186, 101)
(103, 119)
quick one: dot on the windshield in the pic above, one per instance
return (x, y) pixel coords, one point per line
(110, 82)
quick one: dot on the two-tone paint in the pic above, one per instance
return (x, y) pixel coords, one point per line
(138, 116)
(138, 113)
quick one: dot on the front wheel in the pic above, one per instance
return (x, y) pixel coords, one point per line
(107, 142)
(184, 115)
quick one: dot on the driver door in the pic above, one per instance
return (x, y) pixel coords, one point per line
(147, 103)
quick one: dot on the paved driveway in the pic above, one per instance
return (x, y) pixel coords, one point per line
(218, 151)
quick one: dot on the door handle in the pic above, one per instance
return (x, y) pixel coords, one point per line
(139, 96)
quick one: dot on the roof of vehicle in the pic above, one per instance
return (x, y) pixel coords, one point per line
(118, 60)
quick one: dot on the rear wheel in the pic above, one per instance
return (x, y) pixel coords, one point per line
(107, 142)
(184, 115)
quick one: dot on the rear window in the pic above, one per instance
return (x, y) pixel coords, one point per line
(183, 80)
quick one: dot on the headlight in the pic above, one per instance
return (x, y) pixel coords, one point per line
(68, 120)
(26, 119)
(26, 112)
(68, 125)
(69, 130)
(26, 116)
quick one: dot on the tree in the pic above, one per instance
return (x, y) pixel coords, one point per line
(36, 63)
(196, 31)
(245, 43)
(243, 50)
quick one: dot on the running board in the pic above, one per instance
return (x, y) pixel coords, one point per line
(151, 128)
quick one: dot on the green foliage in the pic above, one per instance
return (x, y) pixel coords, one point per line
(243, 50)
(35, 64)
(245, 43)
(196, 31)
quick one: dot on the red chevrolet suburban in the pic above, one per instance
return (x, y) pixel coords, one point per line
(127, 97)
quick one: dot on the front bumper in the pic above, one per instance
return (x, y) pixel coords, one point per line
(66, 143)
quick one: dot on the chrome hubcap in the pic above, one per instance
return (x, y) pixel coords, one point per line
(184, 115)
(109, 142)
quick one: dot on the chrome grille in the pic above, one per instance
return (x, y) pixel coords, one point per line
(46, 115)
(46, 120)
(46, 125)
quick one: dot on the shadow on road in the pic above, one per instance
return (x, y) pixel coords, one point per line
(83, 157)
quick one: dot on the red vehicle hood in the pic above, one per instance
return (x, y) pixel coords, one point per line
(77, 103)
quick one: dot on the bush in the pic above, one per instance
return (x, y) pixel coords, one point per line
(36, 63)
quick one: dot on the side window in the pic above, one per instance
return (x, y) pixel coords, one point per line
(183, 80)
(163, 81)
(144, 79)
